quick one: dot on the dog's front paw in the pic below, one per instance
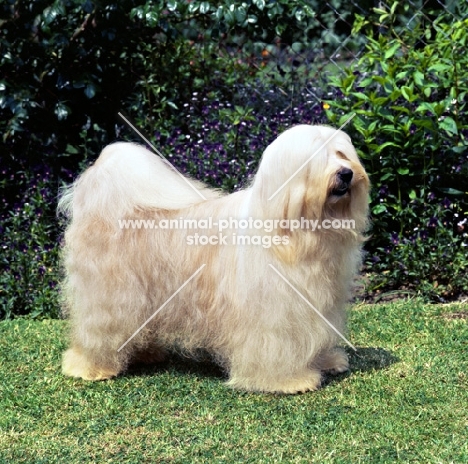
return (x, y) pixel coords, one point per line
(75, 364)
(334, 361)
(309, 380)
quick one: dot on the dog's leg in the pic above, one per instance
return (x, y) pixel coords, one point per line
(76, 363)
(270, 364)
(334, 361)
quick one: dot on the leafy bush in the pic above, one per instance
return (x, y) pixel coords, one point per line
(409, 98)
(28, 281)
(71, 65)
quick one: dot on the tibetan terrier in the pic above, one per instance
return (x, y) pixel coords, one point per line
(259, 279)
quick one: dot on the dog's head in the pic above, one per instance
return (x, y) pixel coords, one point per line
(313, 173)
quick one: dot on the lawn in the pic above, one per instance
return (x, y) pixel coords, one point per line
(405, 400)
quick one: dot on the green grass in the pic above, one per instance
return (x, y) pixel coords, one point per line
(405, 400)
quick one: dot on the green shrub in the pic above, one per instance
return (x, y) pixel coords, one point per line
(29, 255)
(408, 93)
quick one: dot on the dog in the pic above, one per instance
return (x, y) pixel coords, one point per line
(268, 303)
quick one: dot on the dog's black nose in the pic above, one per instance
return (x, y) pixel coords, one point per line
(345, 175)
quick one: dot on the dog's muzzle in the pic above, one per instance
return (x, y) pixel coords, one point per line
(343, 182)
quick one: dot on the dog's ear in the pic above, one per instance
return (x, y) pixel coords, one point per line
(314, 199)
(294, 201)
(306, 194)
(294, 174)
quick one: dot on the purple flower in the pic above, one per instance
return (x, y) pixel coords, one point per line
(383, 191)
(433, 222)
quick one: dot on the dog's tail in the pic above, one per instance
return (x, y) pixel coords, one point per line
(125, 178)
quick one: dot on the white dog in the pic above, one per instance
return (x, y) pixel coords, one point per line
(247, 294)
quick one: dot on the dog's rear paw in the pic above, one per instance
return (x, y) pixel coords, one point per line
(75, 364)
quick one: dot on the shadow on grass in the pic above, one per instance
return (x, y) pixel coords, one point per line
(370, 359)
(364, 360)
(203, 366)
